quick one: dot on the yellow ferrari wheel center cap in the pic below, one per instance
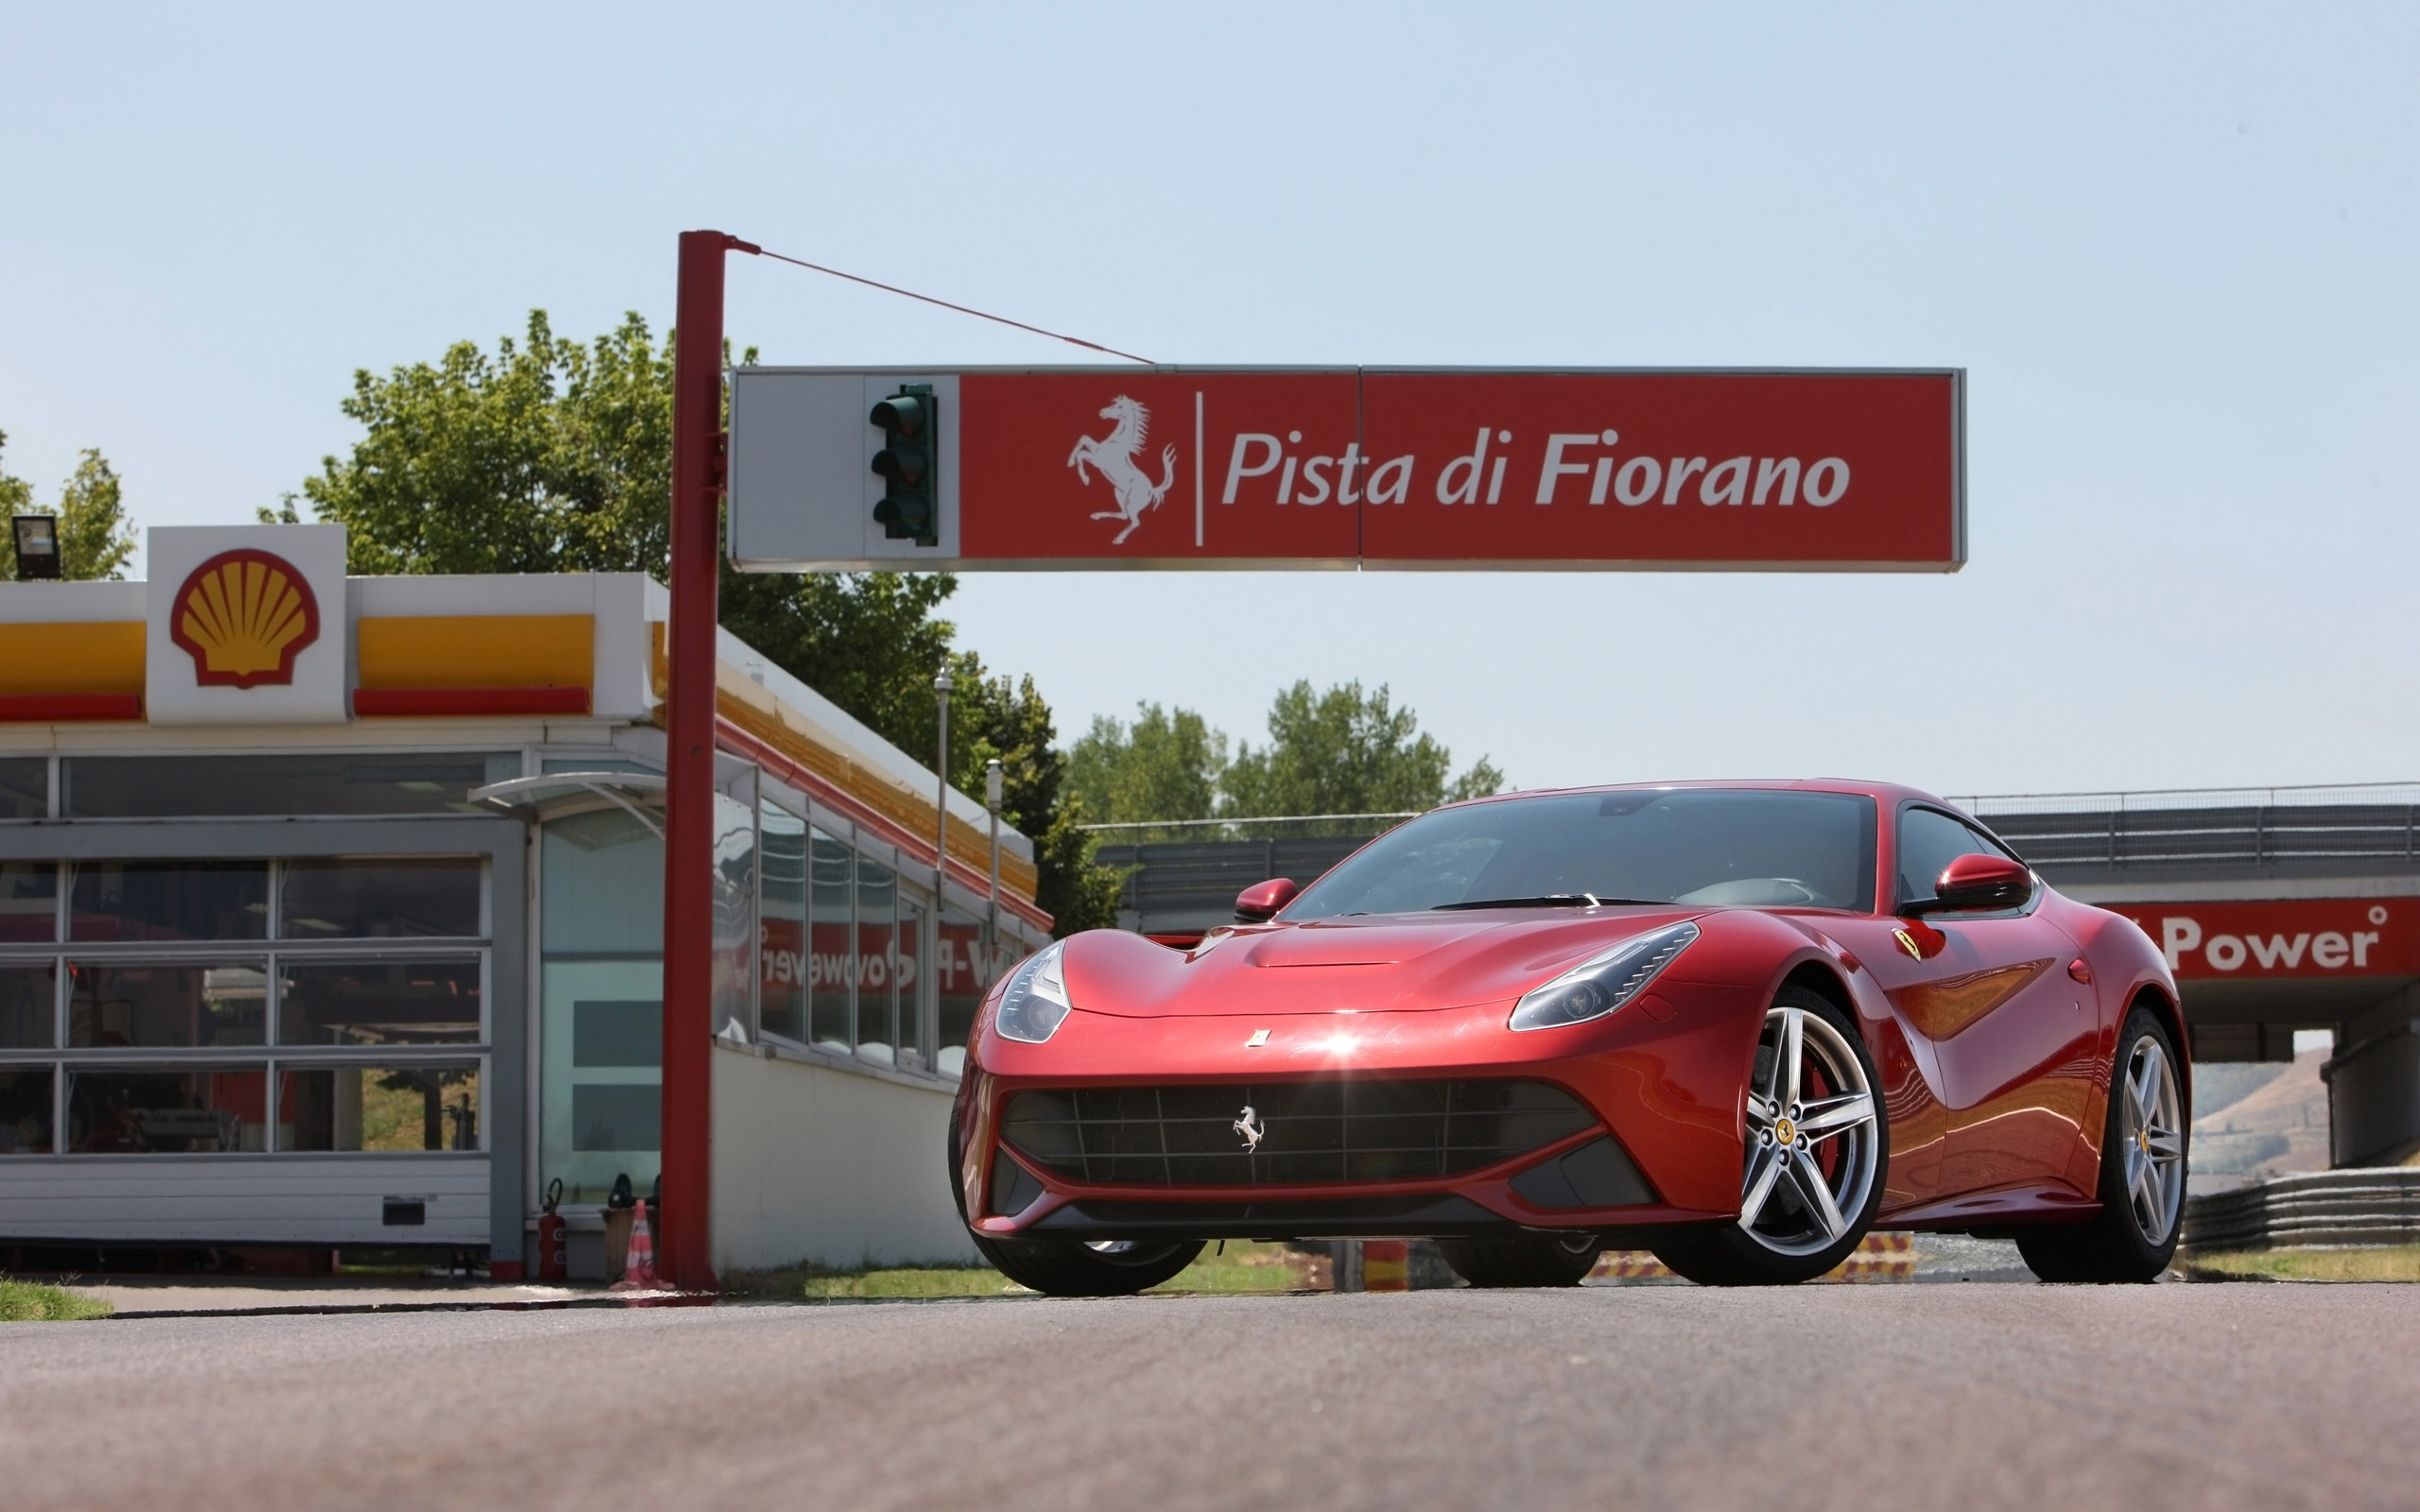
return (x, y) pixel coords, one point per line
(1785, 1131)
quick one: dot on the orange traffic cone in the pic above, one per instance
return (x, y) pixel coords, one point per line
(638, 1273)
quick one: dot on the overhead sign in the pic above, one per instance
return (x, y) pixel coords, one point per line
(1171, 467)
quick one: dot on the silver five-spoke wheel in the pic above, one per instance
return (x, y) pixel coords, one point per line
(2152, 1125)
(1813, 1143)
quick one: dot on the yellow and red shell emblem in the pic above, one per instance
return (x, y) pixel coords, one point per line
(243, 616)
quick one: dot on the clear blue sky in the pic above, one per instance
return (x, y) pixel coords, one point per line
(2175, 246)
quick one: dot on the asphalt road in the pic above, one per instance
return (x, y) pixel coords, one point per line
(1932, 1396)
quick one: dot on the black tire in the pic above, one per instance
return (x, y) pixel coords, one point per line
(1069, 1267)
(1788, 1237)
(1523, 1260)
(1061, 1267)
(2134, 1237)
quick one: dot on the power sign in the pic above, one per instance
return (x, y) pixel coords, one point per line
(2297, 937)
(1175, 467)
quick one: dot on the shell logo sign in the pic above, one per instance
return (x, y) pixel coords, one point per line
(243, 616)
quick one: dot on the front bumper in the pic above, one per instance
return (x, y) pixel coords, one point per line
(1659, 1087)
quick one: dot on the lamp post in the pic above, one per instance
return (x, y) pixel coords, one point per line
(941, 810)
(992, 780)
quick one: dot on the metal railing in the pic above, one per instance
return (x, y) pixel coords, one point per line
(1258, 828)
(2371, 824)
(2137, 801)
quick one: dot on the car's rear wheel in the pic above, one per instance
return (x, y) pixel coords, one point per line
(1110, 1267)
(1523, 1260)
(2142, 1172)
(1817, 1147)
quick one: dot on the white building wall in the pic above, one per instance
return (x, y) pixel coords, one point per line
(832, 1166)
(267, 1199)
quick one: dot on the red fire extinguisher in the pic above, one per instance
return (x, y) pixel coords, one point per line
(552, 1265)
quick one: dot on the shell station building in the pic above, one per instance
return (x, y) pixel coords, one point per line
(331, 913)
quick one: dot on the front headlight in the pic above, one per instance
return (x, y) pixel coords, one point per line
(1604, 982)
(1035, 1003)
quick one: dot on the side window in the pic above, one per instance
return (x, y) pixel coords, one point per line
(1929, 841)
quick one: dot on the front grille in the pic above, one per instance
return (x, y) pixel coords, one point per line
(1315, 1131)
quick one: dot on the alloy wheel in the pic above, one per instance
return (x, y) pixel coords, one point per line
(2151, 1128)
(1814, 1144)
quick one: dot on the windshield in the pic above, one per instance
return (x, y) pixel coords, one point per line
(1746, 847)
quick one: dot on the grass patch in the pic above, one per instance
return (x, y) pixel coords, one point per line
(2400, 1262)
(1247, 1265)
(790, 1282)
(32, 1302)
(1244, 1268)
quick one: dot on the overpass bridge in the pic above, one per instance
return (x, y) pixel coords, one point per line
(2279, 909)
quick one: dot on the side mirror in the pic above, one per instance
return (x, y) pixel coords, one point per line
(1255, 904)
(1977, 884)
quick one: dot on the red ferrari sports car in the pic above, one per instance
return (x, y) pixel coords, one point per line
(1736, 1023)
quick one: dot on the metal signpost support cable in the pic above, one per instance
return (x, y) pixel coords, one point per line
(697, 449)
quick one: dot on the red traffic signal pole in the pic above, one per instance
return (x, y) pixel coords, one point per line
(687, 1258)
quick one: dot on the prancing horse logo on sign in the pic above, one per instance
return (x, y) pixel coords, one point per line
(1249, 1127)
(1114, 454)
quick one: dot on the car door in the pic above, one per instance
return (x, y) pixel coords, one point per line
(2011, 1035)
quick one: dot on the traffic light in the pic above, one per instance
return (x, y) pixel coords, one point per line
(909, 466)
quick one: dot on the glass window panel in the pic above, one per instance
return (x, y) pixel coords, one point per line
(121, 787)
(831, 872)
(25, 1109)
(384, 899)
(25, 787)
(781, 924)
(734, 918)
(28, 900)
(162, 1111)
(870, 967)
(28, 1007)
(600, 1054)
(393, 1108)
(603, 886)
(598, 764)
(960, 978)
(169, 900)
(907, 973)
(378, 1002)
(618, 1032)
(616, 1118)
(147, 1007)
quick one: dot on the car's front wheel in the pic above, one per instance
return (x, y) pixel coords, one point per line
(1523, 1260)
(2142, 1172)
(1066, 1267)
(1817, 1144)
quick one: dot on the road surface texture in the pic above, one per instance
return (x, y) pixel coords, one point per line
(1865, 1396)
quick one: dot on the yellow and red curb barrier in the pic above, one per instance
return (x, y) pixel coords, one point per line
(1876, 1258)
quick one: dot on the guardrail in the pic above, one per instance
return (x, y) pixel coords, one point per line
(2373, 825)
(2377, 1205)
(1271, 827)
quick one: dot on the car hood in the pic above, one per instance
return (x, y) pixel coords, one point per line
(1378, 964)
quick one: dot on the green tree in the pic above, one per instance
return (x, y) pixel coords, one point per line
(1165, 765)
(95, 539)
(991, 717)
(550, 456)
(1346, 751)
(553, 456)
